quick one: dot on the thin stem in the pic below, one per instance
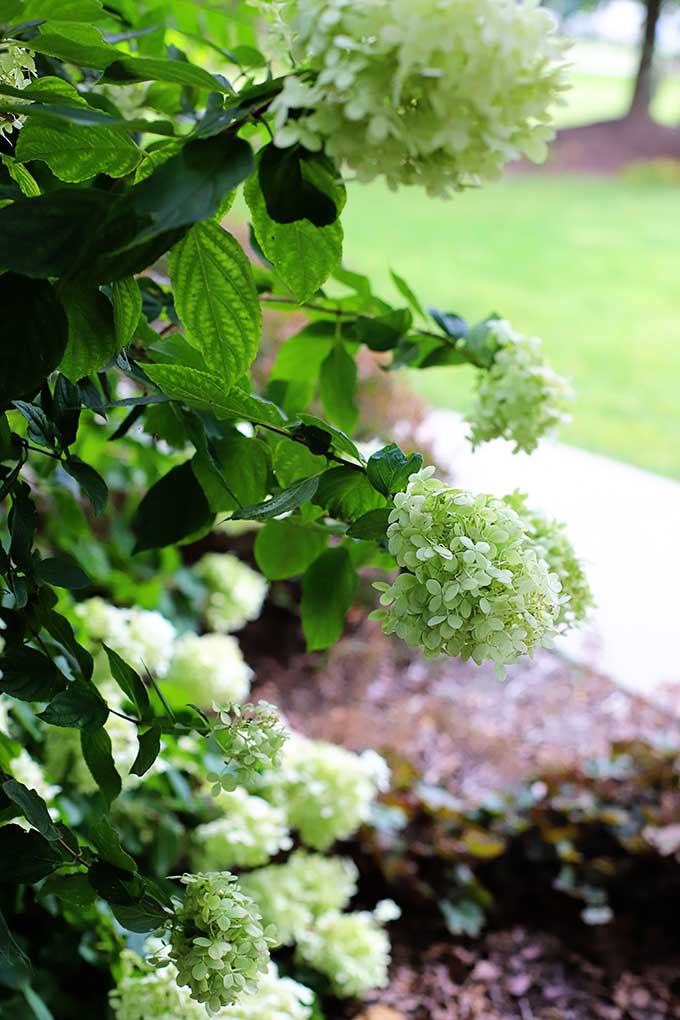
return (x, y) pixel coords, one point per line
(45, 453)
(74, 853)
(128, 718)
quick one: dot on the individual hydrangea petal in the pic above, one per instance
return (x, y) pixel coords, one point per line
(236, 592)
(142, 637)
(291, 896)
(352, 950)
(441, 93)
(207, 668)
(519, 398)
(251, 832)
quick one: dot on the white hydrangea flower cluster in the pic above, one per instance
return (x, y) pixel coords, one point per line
(551, 544)
(26, 770)
(472, 583)
(441, 93)
(251, 739)
(17, 67)
(326, 790)
(519, 398)
(217, 941)
(292, 896)
(142, 637)
(207, 668)
(236, 592)
(352, 950)
(275, 998)
(251, 832)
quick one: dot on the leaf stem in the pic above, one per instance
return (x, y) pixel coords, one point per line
(299, 439)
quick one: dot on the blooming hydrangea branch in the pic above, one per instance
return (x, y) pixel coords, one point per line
(251, 739)
(472, 584)
(519, 398)
(17, 68)
(441, 93)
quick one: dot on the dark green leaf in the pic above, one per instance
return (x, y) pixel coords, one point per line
(90, 482)
(286, 548)
(14, 963)
(115, 885)
(79, 706)
(92, 339)
(149, 749)
(174, 508)
(328, 590)
(339, 441)
(40, 430)
(62, 631)
(179, 72)
(347, 494)
(382, 332)
(372, 526)
(66, 409)
(33, 807)
(62, 572)
(289, 499)
(29, 675)
(338, 387)
(72, 889)
(26, 855)
(127, 307)
(96, 747)
(106, 841)
(142, 917)
(288, 194)
(34, 332)
(76, 152)
(22, 524)
(129, 682)
(390, 468)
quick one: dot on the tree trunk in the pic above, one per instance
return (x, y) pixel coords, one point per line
(642, 93)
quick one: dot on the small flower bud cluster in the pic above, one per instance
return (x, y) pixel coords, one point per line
(519, 398)
(17, 67)
(217, 942)
(207, 668)
(251, 739)
(471, 584)
(352, 950)
(250, 833)
(440, 93)
(236, 592)
(326, 790)
(292, 896)
(141, 637)
(552, 545)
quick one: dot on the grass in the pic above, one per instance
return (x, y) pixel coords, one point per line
(588, 264)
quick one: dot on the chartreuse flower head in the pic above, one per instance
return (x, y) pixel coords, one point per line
(275, 998)
(472, 584)
(326, 790)
(251, 739)
(250, 833)
(236, 592)
(207, 668)
(217, 942)
(519, 398)
(440, 93)
(293, 895)
(145, 993)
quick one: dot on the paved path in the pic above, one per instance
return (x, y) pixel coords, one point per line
(624, 522)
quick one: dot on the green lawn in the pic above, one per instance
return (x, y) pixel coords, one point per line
(591, 265)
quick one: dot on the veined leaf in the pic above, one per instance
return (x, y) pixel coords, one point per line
(200, 390)
(77, 153)
(92, 340)
(127, 307)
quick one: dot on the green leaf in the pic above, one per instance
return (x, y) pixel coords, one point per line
(34, 333)
(372, 526)
(381, 332)
(338, 387)
(72, 889)
(289, 195)
(339, 441)
(141, 917)
(22, 524)
(149, 749)
(22, 176)
(179, 72)
(92, 341)
(79, 706)
(303, 255)
(96, 747)
(234, 473)
(106, 842)
(63, 573)
(90, 482)
(62, 631)
(40, 429)
(300, 358)
(32, 806)
(174, 508)
(27, 674)
(289, 499)
(406, 292)
(127, 308)
(293, 461)
(115, 885)
(202, 391)
(75, 152)
(74, 43)
(14, 963)
(216, 299)
(347, 494)
(285, 549)
(62, 10)
(328, 590)
(389, 469)
(129, 682)
(26, 856)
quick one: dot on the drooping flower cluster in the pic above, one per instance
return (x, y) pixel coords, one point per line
(17, 67)
(472, 584)
(236, 592)
(217, 941)
(519, 398)
(142, 637)
(326, 790)
(352, 950)
(251, 739)
(440, 93)
(207, 668)
(551, 544)
(292, 896)
(251, 832)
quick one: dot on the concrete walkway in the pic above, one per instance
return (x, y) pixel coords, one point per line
(623, 522)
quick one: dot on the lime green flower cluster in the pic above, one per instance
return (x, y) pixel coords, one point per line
(251, 739)
(17, 67)
(326, 790)
(441, 93)
(250, 833)
(207, 668)
(236, 592)
(275, 998)
(472, 583)
(293, 896)
(352, 950)
(142, 637)
(217, 941)
(519, 398)
(552, 545)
